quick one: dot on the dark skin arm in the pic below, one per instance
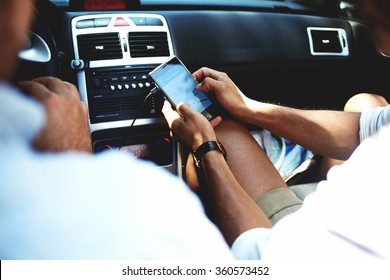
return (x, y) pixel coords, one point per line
(230, 207)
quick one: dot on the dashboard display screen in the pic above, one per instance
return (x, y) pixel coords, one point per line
(138, 150)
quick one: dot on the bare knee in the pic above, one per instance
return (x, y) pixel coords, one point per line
(357, 103)
(364, 101)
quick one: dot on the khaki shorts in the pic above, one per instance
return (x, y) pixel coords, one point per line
(278, 203)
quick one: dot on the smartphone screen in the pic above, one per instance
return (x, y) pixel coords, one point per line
(178, 85)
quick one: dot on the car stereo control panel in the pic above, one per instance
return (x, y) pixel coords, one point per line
(113, 54)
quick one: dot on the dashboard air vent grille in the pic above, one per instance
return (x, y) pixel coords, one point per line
(117, 105)
(328, 41)
(99, 46)
(148, 44)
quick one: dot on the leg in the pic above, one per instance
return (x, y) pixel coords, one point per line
(248, 162)
(364, 101)
(253, 170)
(357, 103)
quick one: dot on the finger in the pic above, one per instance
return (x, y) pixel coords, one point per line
(184, 110)
(205, 72)
(216, 121)
(84, 107)
(58, 86)
(35, 89)
(50, 82)
(169, 114)
(72, 89)
(210, 85)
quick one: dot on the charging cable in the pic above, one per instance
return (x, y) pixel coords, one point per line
(151, 93)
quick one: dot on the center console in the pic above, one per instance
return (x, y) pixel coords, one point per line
(113, 54)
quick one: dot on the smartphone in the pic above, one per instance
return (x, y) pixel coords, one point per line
(178, 85)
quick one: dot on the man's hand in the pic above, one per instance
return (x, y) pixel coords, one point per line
(189, 126)
(222, 88)
(66, 127)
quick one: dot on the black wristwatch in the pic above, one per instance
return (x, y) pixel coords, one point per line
(205, 148)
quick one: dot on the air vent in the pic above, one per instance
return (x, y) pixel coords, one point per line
(117, 105)
(99, 46)
(148, 44)
(120, 108)
(124, 108)
(328, 41)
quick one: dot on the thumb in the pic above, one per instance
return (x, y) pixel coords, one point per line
(216, 121)
(209, 85)
(183, 109)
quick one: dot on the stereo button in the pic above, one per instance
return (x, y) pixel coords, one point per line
(97, 83)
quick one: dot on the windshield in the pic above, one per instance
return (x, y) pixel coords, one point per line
(348, 9)
(293, 4)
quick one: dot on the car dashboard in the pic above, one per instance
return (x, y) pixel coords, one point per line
(113, 54)
(296, 59)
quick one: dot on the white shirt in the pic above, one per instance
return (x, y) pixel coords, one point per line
(371, 121)
(78, 206)
(346, 218)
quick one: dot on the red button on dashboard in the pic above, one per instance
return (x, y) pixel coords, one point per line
(120, 21)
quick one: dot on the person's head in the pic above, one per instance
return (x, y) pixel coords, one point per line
(377, 12)
(15, 19)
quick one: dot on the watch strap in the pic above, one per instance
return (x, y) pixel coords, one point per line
(205, 148)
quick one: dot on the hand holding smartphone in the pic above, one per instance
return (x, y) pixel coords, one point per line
(178, 85)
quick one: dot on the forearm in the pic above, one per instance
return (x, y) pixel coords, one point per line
(333, 134)
(229, 206)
